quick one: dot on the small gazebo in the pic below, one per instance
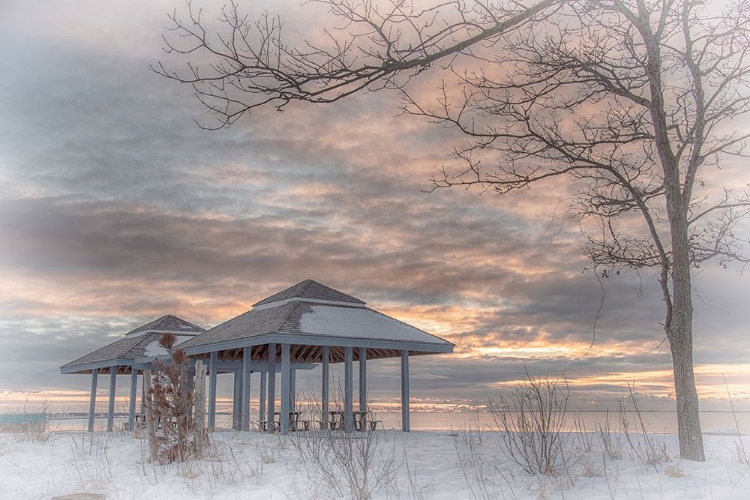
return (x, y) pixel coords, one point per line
(123, 357)
(310, 323)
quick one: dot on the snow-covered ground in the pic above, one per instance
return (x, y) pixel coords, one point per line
(416, 465)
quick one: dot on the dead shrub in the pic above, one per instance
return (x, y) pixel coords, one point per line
(168, 402)
(531, 420)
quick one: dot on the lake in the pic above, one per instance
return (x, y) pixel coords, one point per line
(712, 422)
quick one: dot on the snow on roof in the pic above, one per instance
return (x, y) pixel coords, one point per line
(360, 323)
(313, 319)
(153, 349)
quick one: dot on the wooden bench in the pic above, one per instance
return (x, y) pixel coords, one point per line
(330, 425)
(367, 425)
(359, 425)
(304, 424)
(263, 425)
(294, 425)
(365, 420)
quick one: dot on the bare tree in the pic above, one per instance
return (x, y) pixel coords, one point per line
(633, 100)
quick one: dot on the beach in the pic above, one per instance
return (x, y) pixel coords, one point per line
(390, 464)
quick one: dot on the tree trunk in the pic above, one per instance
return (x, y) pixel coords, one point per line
(679, 324)
(688, 418)
(680, 335)
(680, 332)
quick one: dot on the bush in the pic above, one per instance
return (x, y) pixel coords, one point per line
(169, 401)
(530, 420)
(353, 463)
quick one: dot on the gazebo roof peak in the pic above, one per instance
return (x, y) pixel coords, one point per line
(309, 291)
(167, 323)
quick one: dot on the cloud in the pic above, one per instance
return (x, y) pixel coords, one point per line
(116, 209)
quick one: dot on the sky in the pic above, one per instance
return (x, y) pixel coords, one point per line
(115, 209)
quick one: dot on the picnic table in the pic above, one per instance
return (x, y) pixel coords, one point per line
(295, 423)
(363, 420)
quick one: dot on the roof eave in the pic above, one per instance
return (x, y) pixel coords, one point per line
(95, 365)
(322, 340)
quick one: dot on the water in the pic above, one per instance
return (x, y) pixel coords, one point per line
(721, 422)
(654, 421)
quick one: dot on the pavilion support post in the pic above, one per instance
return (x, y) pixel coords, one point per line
(293, 389)
(348, 389)
(271, 386)
(131, 402)
(262, 406)
(285, 388)
(111, 405)
(246, 371)
(212, 364)
(92, 398)
(236, 396)
(405, 391)
(324, 388)
(362, 380)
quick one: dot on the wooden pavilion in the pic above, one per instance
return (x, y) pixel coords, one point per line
(122, 357)
(305, 325)
(311, 323)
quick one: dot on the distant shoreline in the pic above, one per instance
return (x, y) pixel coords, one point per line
(717, 422)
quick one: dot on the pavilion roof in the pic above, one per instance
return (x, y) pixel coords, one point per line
(138, 343)
(310, 313)
(312, 290)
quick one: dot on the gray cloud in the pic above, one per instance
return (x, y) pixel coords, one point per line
(115, 209)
